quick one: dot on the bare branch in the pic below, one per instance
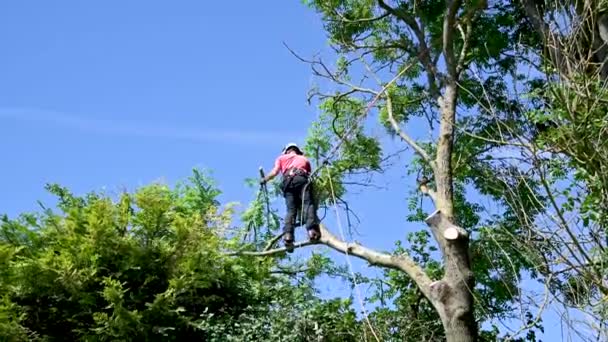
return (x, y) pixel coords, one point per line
(363, 20)
(465, 46)
(400, 262)
(302, 59)
(404, 136)
(330, 75)
(273, 241)
(271, 252)
(327, 73)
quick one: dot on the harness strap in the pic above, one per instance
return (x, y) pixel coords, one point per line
(296, 172)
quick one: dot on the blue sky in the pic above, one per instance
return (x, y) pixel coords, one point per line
(116, 94)
(123, 93)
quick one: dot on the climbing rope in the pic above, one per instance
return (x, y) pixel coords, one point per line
(347, 256)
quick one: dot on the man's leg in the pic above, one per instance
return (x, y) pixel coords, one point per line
(296, 190)
(310, 209)
(290, 216)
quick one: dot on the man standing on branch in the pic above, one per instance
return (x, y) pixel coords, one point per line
(297, 190)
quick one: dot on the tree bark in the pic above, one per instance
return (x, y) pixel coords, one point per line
(452, 296)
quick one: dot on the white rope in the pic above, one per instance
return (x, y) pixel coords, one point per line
(347, 256)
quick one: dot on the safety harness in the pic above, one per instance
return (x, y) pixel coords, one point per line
(290, 174)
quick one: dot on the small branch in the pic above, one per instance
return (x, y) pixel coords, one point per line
(273, 241)
(465, 46)
(271, 252)
(329, 75)
(467, 19)
(289, 272)
(326, 73)
(552, 41)
(364, 20)
(404, 136)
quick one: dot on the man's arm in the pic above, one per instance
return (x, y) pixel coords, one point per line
(272, 173)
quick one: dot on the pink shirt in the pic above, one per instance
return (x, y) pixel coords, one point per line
(291, 161)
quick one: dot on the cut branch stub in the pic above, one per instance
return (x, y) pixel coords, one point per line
(446, 228)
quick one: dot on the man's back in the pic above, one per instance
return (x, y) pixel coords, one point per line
(289, 161)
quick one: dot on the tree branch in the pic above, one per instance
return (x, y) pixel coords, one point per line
(364, 20)
(328, 74)
(448, 39)
(552, 41)
(467, 20)
(400, 262)
(272, 241)
(270, 252)
(424, 53)
(465, 46)
(404, 136)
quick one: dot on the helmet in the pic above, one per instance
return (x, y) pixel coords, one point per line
(293, 146)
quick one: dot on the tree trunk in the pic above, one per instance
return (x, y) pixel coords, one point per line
(454, 305)
(451, 296)
(461, 330)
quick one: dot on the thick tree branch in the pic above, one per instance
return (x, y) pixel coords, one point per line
(448, 37)
(409, 20)
(443, 162)
(421, 152)
(270, 252)
(400, 262)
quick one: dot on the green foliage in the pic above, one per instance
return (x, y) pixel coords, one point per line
(375, 40)
(150, 265)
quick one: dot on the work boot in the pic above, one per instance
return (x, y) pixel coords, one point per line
(314, 233)
(288, 239)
